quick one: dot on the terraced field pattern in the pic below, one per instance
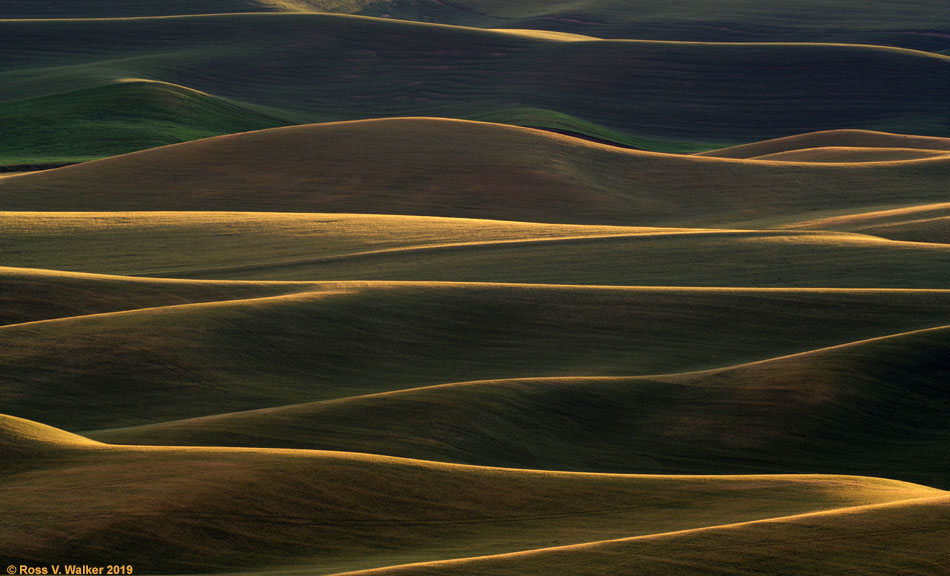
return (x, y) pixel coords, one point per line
(424, 287)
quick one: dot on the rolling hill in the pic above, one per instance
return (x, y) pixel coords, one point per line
(930, 221)
(842, 154)
(859, 139)
(115, 119)
(433, 167)
(184, 509)
(860, 408)
(854, 540)
(325, 247)
(31, 295)
(406, 287)
(674, 96)
(914, 24)
(174, 362)
(918, 24)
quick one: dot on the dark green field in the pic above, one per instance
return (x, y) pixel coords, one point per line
(413, 287)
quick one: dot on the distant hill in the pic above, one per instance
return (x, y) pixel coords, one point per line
(312, 67)
(915, 23)
(114, 119)
(435, 167)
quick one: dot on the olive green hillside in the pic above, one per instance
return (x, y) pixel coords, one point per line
(831, 139)
(279, 246)
(434, 167)
(171, 510)
(895, 538)
(870, 407)
(349, 339)
(115, 119)
(29, 295)
(320, 67)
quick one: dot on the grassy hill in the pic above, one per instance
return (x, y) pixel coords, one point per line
(172, 509)
(115, 119)
(107, 9)
(842, 154)
(279, 246)
(916, 24)
(860, 139)
(855, 540)
(31, 295)
(388, 287)
(928, 221)
(437, 167)
(175, 362)
(869, 407)
(672, 96)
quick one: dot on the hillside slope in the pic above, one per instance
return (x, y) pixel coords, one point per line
(928, 222)
(320, 246)
(898, 538)
(202, 510)
(915, 24)
(709, 95)
(115, 119)
(830, 138)
(158, 364)
(872, 407)
(31, 295)
(436, 167)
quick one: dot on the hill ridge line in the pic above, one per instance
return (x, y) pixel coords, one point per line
(857, 217)
(144, 279)
(580, 238)
(487, 31)
(211, 304)
(502, 381)
(326, 287)
(809, 352)
(373, 457)
(539, 132)
(586, 545)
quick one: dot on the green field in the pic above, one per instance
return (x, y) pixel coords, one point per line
(113, 119)
(412, 287)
